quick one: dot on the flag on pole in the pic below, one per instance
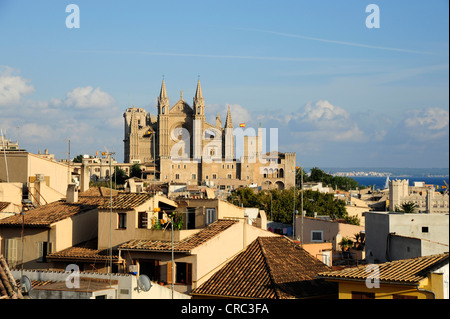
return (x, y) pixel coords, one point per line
(242, 125)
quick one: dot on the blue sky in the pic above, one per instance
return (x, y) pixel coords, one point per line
(340, 94)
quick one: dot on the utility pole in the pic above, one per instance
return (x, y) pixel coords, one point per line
(301, 204)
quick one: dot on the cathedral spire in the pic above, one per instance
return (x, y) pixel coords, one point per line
(163, 93)
(163, 100)
(229, 121)
(198, 93)
(199, 102)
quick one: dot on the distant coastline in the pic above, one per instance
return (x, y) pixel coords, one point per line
(393, 172)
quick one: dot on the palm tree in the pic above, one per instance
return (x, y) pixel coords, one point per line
(407, 207)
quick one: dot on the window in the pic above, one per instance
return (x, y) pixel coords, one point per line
(316, 235)
(183, 273)
(122, 221)
(214, 176)
(44, 249)
(177, 176)
(142, 219)
(229, 176)
(194, 176)
(363, 295)
(151, 268)
(11, 252)
(424, 229)
(210, 215)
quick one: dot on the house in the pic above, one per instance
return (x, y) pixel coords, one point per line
(197, 254)
(425, 197)
(198, 212)
(43, 178)
(34, 234)
(10, 198)
(415, 278)
(8, 286)
(134, 185)
(131, 216)
(394, 235)
(52, 284)
(269, 268)
(318, 230)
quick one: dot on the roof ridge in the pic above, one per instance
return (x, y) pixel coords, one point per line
(267, 264)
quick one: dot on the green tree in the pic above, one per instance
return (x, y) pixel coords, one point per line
(407, 208)
(136, 170)
(119, 176)
(78, 159)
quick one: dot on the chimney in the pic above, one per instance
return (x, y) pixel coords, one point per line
(72, 193)
(84, 178)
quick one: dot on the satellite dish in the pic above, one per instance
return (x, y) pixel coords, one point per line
(25, 284)
(144, 283)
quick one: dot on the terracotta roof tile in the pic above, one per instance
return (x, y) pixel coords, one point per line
(400, 271)
(3, 205)
(44, 216)
(8, 286)
(185, 245)
(98, 191)
(84, 251)
(126, 201)
(269, 268)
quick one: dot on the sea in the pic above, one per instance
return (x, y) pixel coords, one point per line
(438, 177)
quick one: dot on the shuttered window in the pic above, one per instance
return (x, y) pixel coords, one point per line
(11, 252)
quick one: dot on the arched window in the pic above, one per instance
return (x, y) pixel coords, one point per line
(281, 173)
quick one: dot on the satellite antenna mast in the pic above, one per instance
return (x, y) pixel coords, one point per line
(110, 216)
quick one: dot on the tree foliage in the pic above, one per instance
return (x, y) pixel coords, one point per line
(136, 170)
(78, 159)
(279, 204)
(336, 182)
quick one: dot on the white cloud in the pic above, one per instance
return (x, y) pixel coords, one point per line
(432, 118)
(323, 110)
(87, 97)
(12, 87)
(427, 124)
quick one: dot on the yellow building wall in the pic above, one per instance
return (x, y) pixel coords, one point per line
(386, 291)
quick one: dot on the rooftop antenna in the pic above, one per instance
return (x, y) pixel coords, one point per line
(110, 215)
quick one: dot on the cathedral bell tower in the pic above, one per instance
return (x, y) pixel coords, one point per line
(163, 122)
(199, 121)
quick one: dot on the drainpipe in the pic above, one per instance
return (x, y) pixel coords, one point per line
(426, 290)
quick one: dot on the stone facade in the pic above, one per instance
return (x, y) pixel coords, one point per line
(427, 200)
(183, 147)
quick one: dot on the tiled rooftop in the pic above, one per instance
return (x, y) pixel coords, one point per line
(7, 282)
(407, 271)
(44, 216)
(84, 251)
(184, 245)
(3, 205)
(269, 268)
(126, 201)
(98, 191)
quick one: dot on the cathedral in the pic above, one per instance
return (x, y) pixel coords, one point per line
(182, 147)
